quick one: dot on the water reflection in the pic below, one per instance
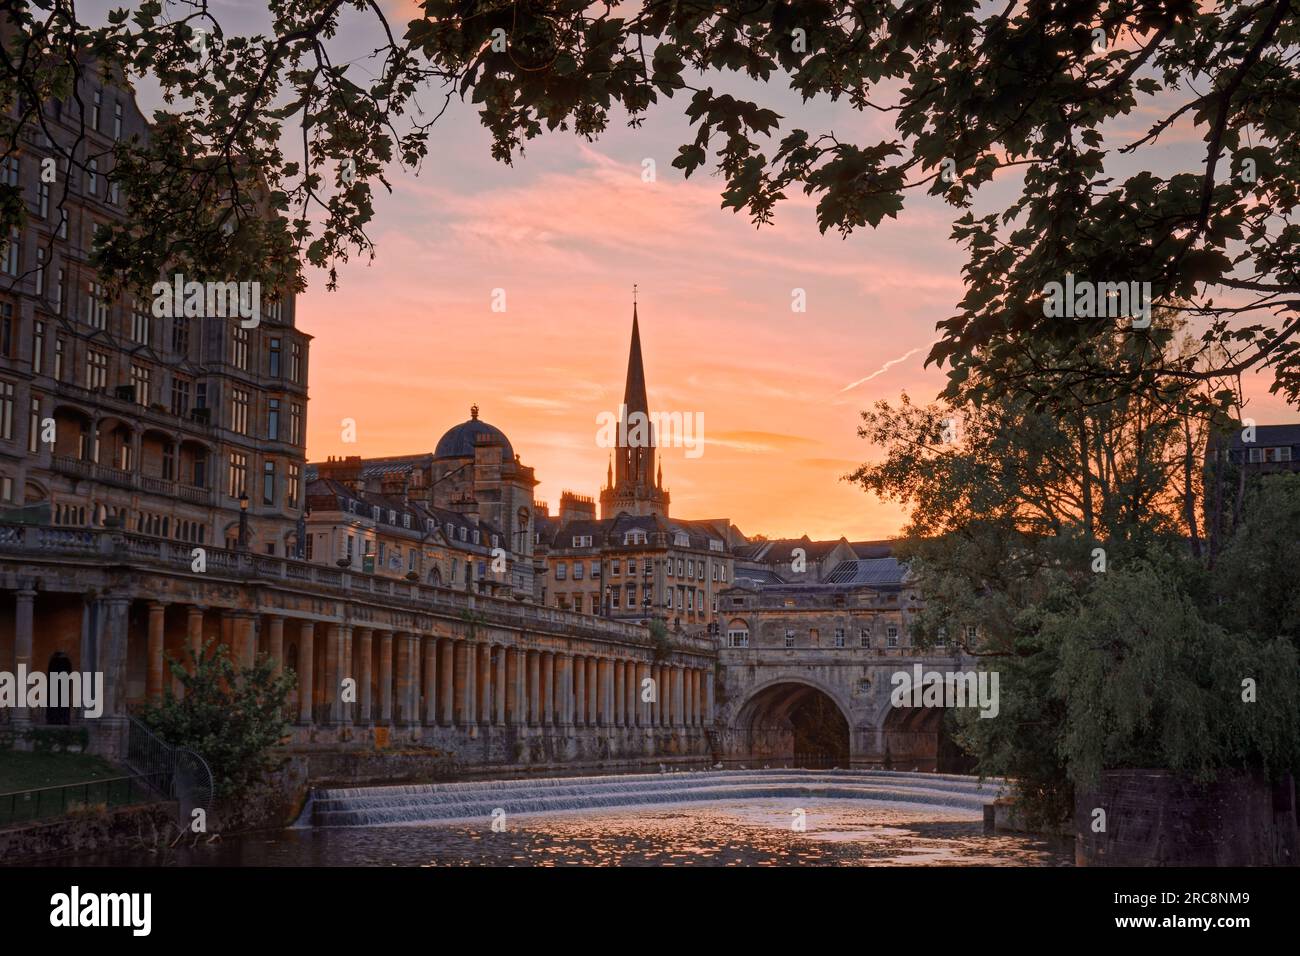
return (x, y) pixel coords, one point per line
(756, 833)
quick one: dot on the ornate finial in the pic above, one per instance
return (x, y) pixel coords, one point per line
(473, 411)
(634, 293)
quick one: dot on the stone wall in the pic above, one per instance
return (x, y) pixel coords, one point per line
(1157, 818)
(90, 831)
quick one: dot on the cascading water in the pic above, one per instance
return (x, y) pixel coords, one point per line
(424, 803)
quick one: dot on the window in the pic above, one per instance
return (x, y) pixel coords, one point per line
(63, 224)
(680, 565)
(839, 637)
(140, 376)
(96, 306)
(92, 177)
(58, 293)
(181, 335)
(268, 483)
(295, 423)
(613, 598)
(668, 565)
(239, 402)
(9, 255)
(34, 425)
(96, 102)
(114, 193)
(117, 121)
(96, 369)
(715, 572)
(561, 571)
(737, 636)
(295, 362)
(180, 396)
(864, 637)
(239, 348)
(7, 410)
(690, 568)
(7, 488)
(577, 570)
(6, 328)
(891, 636)
(941, 637)
(814, 636)
(58, 358)
(238, 474)
(9, 170)
(972, 631)
(43, 199)
(40, 272)
(635, 536)
(169, 461)
(273, 357)
(273, 419)
(613, 567)
(789, 637)
(139, 323)
(582, 541)
(38, 344)
(595, 569)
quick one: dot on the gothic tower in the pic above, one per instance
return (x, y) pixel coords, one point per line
(633, 484)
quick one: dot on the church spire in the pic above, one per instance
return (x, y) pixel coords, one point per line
(634, 396)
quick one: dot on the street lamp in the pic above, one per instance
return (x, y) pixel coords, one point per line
(243, 520)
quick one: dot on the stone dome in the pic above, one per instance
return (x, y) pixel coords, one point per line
(459, 440)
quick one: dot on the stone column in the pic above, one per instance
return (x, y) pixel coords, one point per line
(629, 693)
(306, 663)
(366, 715)
(386, 678)
(403, 716)
(502, 688)
(642, 706)
(592, 692)
(564, 688)
(275, 642)
(331, 689)
(430, 681)
(515, 715)
(112, 653)
(447, 680)
(620, 702)
(463, 690)
(657, 707)
(349, 670)
(679, 697)
(485, 709)
(534, 688)
(246, 639)
(194, 632)
(579, 691)
(154, 676)
(708, 697)
(548, 688)
(697, 685)
(24, 631)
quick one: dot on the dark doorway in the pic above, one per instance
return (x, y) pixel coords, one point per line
(60, 716)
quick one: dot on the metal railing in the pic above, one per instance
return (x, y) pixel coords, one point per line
(24, 806)
(178, 772)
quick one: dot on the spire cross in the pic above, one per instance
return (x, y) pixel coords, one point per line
(634, 293)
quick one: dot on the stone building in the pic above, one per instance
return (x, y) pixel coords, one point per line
(472, 491)
(111, 416)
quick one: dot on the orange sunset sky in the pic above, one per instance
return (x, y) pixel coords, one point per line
(409, 340)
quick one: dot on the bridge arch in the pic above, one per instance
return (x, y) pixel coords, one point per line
(795, 720)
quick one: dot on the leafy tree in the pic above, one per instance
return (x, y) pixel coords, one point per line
(232, 717)
(1044, 95)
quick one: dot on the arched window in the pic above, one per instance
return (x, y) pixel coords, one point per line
(737, 633)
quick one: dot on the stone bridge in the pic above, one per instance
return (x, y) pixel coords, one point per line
(830, 706)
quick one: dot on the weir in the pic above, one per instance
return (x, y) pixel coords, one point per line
(446, 802)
